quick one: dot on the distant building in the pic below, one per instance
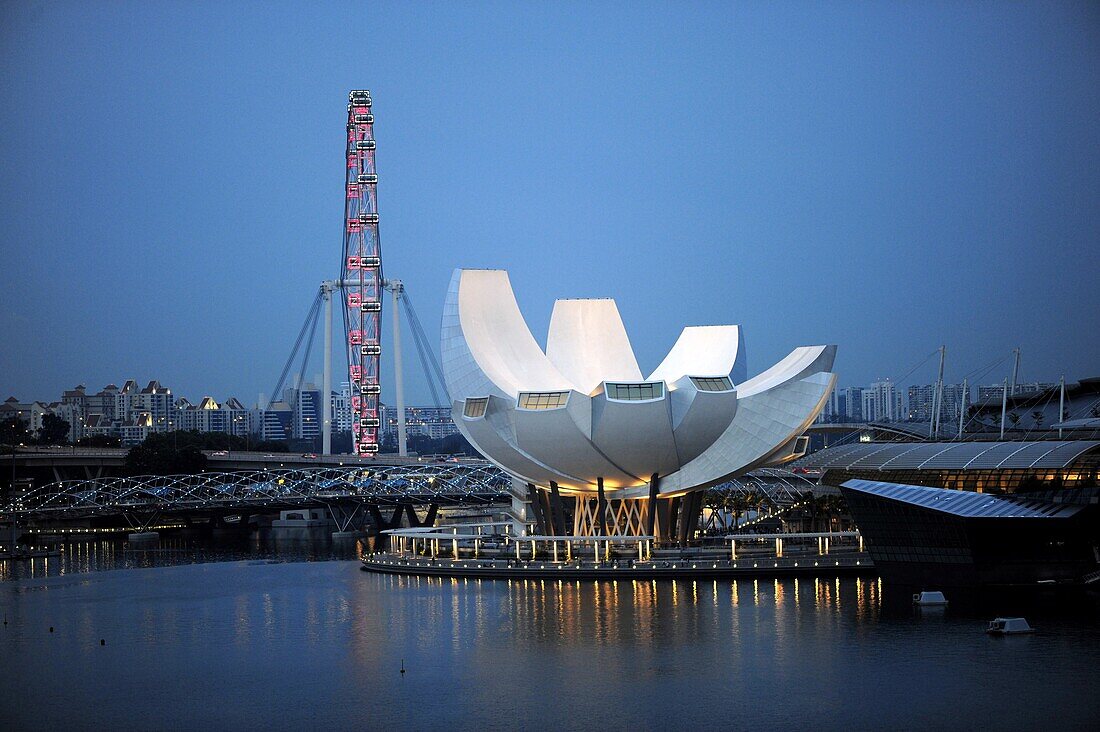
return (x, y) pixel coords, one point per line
(156, 401)
(882, 402)
(135, 430)
(853, 403)
(103, 403)
(955, 401)
(238, 418)
(834, 410)
(210, 416)
(1034, 410)
(341, 409)
(74, 415)
(76, 399)
(122, 399)
(30, 412)
(276, 422)
(994, 392)
(307, 411)
(96, 425)
(921, 400)
(433, 422)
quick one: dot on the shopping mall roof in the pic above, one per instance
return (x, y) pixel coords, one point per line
(964, 503)
(1053, 454)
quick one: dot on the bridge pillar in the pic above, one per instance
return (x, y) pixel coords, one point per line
(557, 510)
(13, 536)
(690, 507)
(429, 517)
(537, 509)
(601, 507)
(382, 523)
(651, 512)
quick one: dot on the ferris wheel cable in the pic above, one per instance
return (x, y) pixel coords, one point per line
(308, 350)
(420, 352)
(311, 316)
(430, 351)
(427, 375)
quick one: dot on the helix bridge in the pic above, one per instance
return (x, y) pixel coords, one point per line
(439, 484)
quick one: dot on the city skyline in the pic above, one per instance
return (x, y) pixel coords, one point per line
(201, 204)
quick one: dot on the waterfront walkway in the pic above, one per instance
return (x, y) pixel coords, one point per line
(699, 567)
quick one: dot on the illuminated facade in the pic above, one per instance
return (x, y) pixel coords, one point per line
(579, 420)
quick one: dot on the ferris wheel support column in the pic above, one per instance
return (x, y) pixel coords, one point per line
(396, 287)
(326, 382)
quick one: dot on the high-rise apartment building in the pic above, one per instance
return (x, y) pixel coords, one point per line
(853, 403)
(882, 402)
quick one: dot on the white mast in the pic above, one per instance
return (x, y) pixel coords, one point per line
(937, 399)
(1004, 408)
(1015, 370)
(1062, 406)
(962, 407)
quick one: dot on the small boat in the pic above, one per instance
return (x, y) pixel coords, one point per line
(929, 599)
(1009, 626)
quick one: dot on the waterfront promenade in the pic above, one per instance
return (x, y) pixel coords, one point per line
(444, 551)
(700, 567)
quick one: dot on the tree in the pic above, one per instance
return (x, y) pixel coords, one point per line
(99, 441)
(1038, 417)
(1014, 419)
(54, 430)
(13, 431)
(158, 457)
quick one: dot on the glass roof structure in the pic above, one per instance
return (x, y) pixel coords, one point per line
(1052, 454)
(963, 503)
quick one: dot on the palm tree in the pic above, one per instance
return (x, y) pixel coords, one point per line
(1038, 417)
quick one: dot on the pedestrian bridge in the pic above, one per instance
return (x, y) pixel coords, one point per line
(342, 489)
(267, 490)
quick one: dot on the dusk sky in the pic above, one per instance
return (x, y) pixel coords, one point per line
(887, 177)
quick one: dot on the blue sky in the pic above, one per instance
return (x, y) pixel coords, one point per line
(883, 176)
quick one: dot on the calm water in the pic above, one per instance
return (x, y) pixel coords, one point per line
(319, 644)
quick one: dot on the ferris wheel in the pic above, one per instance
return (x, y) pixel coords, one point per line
(362, 276)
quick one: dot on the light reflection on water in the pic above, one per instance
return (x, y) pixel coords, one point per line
(79, 556)
(319, 644)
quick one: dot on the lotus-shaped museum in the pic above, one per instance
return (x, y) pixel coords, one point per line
(580, 419)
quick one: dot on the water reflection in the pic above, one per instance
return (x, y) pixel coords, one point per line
(80, 556)
(628, 653)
